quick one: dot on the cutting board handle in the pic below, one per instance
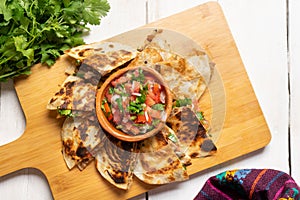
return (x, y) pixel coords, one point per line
(15, 155)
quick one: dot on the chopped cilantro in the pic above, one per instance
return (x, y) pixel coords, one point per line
(140, 77)
(136, 108)
(133, 117)
(120, 106)
(183, 102)
(141, 99)
(80, 75)
(67, 113)
(158, 106)
(172, 137)
(155, 122)
(119, 127)
(110, 90)
(117, 91)
(200, 115)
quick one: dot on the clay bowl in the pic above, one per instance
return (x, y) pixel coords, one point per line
(110, 126)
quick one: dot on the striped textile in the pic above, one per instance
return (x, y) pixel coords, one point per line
(243, 184)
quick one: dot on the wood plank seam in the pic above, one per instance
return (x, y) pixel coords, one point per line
(289, 86)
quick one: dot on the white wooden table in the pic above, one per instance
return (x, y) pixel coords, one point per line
(267, 33)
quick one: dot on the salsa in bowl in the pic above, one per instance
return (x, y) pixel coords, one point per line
(133, 103)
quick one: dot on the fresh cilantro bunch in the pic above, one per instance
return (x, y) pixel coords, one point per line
(38, 31)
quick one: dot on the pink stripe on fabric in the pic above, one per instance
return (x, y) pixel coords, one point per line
(281, 189)
(218, 191)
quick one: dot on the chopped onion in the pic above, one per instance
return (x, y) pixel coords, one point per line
(136, 94)
(114, 97)
(125, 119)
(163, 116)
(162, 97)
(146, 116)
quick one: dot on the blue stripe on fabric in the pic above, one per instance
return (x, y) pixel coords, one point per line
(273, 180)
(205, 195)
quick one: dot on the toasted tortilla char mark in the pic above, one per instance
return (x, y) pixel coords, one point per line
(61, 92)
(99, 49)
(161, 141)
(118, 176)
(101, 60)
(151, 36)
(81, 53)
(82, 152)
(173, 164)
(126, 53)
(68, 144)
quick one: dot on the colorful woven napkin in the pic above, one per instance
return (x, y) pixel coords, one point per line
(262, 184)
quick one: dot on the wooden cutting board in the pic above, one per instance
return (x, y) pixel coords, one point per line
(238, 124)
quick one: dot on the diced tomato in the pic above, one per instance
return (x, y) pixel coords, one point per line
(149, 101)
(162, 97)
(141, 119)
(136, 73)
(144, 118)
(108, 112)
(127, 87)
(154, 113)
(108, 96)
(114, 83)
(149, 78)
(156, 89)
(132, 98)
(155, 97)
(148, 117)
(196, 105)
(151, 94)
(136, 86)
(125, 102)
(122, 79)
(117, 117)
(133, 129)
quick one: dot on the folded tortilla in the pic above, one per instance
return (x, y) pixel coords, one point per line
(193, 137)
(102, 57)
(157, 163)
(115, 162)
(80, 139)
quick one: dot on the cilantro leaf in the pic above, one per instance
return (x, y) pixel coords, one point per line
(158, 106)
(93, 9)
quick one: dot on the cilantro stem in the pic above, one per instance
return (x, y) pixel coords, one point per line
(7, 59)
(13, 73)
